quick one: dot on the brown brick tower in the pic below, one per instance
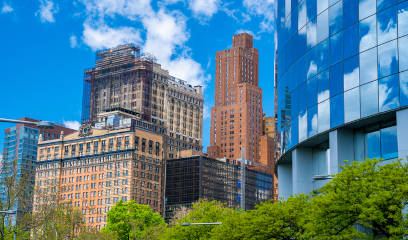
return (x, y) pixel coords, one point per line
(236, 118)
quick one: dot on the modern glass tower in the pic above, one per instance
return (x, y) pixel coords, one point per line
(342, 86)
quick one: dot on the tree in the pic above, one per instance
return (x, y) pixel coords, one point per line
(129, 219)
(365, 200)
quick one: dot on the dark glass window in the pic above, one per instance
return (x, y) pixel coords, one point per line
(322, 51)
(388, 93)
(403, 53)
(311, 9)
(336, 48)
(389, 142)
(387, 59)
(368, 66)
(323, 86)
(312, 121)
(373, 145)
(336, 79)
(351, 73)
(351, 41)
(352, 105)
(368, 33)
(336, 17)
(387, 25)
(369, 98)
(350, 12)
(337, 110)
(402, 19)
(403, 77)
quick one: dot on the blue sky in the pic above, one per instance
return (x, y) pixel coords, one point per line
(47, 44)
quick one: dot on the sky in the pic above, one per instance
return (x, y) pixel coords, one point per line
(47, 45)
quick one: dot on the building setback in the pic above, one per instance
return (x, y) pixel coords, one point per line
(189, 179)
(120, 158)
(236, 118)
(19, 157)
(125, 78)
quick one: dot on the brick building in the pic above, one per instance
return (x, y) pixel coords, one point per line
(236, 118)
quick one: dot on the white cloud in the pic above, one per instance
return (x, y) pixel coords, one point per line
(72, 124)
(256, 37)
(6, 8)
(206, 112)
(262, 8)
(47, 11)
(73, 42)
(204, 8)
(101, 36)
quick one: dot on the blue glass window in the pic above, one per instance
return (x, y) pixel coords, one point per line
(351, 41)
(336, 18)
(322, 5)
(311, 34)
(366, 8)
(403, 53)
(311, 92)
(350, 12)
(312, 121)
(323, 86)
(322, 26)
(294, 132)
(368, 66)
(337, 110)
(351, 73)
(387, 59)
(402, 19)
(403, 77)
(387, 25)
(336, 79)
(389, 142)
(388, 93)
(302, 15)
(369, 99)
(368, 33)
(302, 126)
(336, 48)
(311, 9)
(373, 144)
(322, 57)
(351, 105)
(383, 4)
(323, 116)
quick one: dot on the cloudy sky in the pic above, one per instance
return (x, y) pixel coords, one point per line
(47, 44)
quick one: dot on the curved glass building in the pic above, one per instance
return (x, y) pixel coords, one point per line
(342, 85)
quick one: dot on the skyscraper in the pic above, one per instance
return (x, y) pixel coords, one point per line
(341, 87)
(18, 164)
(236, 118)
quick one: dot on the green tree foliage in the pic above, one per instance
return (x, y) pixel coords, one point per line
(130, 220)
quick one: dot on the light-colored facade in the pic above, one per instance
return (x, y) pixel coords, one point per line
(95, 167)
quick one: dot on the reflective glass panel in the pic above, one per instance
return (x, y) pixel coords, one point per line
(368, 33)
(387, 25)
(302, 126)
(294, 132)
(351, 73)
(403, 53)
(337, 110)
(322, 26)
(350, 13)
(302, 15)
(336, 48)
(311, 63)
(351, 41)
(322, 5)
(373, 144)
(323, 116)
(311, 33)
(366, 8)
(312, 121)
(368, 66)
(389, 142)
(336, 79)
(336, 17)
(403, 77)
(311, 92)
(369, 98)
(388, 92)
(382, 4)
(322, 57)
(403, 19)
(311, 9)
(352, 105)
(323, 86)
(387, 59)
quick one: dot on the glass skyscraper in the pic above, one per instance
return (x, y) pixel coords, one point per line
(342, 85)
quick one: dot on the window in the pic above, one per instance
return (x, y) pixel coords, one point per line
(368, 33)
(388, 93)
(351, 105)
(369, 99)
(351, 73)
(387, 59)
(387, 25)
(382, 143)
(368, 66)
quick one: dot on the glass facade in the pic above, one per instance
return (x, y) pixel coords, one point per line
(338, 62)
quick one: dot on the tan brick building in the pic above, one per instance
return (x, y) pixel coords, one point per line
(236, 118)
(95, 167)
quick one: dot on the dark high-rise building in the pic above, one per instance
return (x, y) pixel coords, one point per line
(342, 87)
(236, 118)
(18, 164)
(191, 178)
